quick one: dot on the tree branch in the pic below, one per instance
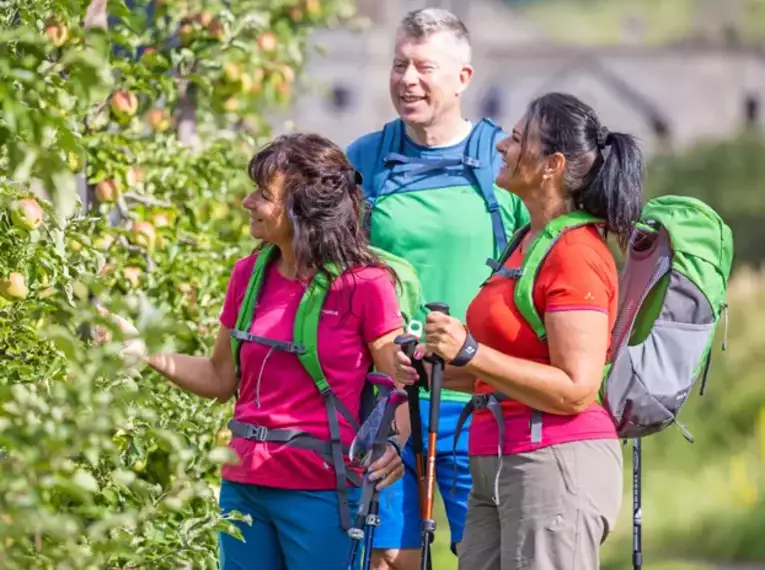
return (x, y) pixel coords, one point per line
(146, 200)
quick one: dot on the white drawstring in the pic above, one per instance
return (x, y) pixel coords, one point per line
(260, 377)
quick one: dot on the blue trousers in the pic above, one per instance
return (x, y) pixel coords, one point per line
(399, 504)
(291, 530)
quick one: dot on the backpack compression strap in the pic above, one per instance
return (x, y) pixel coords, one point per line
(498, 266)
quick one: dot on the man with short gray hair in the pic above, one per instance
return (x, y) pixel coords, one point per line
(429, 182)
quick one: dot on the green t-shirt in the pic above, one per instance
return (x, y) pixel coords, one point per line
(438, 222)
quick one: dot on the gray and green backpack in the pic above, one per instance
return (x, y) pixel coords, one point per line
(304, 346)
(672, 291)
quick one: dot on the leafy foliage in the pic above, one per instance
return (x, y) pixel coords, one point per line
(729, 176)
(154, 116)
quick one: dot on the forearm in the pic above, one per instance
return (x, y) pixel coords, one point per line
(539, 386)
(196, 374)
(403, 425)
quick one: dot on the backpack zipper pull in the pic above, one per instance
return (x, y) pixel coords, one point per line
(725, 326)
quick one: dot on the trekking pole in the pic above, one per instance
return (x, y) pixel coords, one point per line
(436, 384)
(637, 514)
(408, 344)
(372, 440)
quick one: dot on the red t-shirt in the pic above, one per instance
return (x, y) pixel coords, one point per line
(579, 273)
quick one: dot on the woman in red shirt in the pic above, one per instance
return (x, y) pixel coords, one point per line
(549, 495)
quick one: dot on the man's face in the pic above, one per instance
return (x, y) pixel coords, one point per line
(427, 77)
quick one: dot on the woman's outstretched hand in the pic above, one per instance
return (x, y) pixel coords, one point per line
(133, 349)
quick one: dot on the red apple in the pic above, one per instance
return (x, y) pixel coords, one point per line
(203, 18)
(144, 235)
(14, 287)
(134, 175)
(57, 32)
(158, 120)
(215, 29)
(161, 220)
(26, 214)
(132, 274)
(267, 42)
(124, 105)
(107, 191)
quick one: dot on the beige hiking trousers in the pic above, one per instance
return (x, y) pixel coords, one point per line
(557, 505)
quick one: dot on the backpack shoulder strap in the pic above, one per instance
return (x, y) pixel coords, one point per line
(535, 256)
(306, 331)
(478, 156)
(247, 308)
(306, 327)
(390, 142)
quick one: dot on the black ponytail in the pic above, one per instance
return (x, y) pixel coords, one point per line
(604, 170)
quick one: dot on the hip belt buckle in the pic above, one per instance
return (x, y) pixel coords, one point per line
(258, 433)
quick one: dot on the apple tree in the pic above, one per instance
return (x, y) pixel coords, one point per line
(125, 130)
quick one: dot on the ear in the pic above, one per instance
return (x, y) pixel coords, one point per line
(556, 164)
(466, 75)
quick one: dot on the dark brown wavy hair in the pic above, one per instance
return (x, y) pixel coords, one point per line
(323, 201)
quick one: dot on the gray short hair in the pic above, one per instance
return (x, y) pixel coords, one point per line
(420, 24)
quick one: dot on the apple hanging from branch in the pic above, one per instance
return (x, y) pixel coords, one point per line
(26, 214)
(124, 105)
(14, 287)
(57, 32)
(143, 234)
(267, 42)
(158, 120)
(107, 191)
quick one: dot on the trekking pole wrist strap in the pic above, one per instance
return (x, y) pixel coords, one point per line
(467, 352)
(392, 441)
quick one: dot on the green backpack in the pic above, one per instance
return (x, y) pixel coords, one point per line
(672, 292)
(304, 346)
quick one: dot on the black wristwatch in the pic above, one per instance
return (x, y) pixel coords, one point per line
(467, 352)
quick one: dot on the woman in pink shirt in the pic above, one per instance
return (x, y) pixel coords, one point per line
(306, 203)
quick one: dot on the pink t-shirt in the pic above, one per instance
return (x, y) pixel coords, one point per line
(275, 390)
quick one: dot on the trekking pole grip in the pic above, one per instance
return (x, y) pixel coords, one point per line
(439, 307)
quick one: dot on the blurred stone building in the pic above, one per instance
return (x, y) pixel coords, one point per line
(671, 95)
